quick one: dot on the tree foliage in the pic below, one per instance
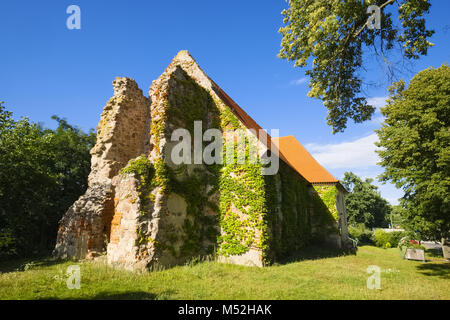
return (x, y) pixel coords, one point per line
(415, 141)
(397, 217)
(42, 172)
(364, 204)
(334, 34)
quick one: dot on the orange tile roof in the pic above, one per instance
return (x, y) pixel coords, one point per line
(302, 161)
(248, 121)
(290, 151)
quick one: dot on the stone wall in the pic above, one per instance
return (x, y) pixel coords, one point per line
(175, 222)
(298, 215)
(145, 210)
(122, 248)
(343, 226)
(121, 135)
(333, 197)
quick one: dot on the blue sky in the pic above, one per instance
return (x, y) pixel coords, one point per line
(47, 69)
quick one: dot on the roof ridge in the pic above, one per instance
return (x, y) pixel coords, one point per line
(187, 62)
(303, 161)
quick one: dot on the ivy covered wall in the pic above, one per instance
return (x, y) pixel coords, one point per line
(333, 198)
(298, 215)
(229, 209)
(289, 215)
(271, 215)
(324, 221)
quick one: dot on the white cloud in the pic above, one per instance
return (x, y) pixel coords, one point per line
(377, 118)
(377, 102)
(355, 154)
(393, 201)
(390, 192)
(299, 82)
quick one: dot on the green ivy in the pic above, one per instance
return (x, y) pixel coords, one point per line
(328, 194)
(198, 228)
(291, 231)
(144, 171)
(241, 187)
(248, 212)
(324, 221)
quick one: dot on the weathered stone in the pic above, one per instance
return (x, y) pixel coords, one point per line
(446, 248)
(81, 229)
(415, 254)
(122, 248)
(143, 221)
(121, 135)
(251, 258)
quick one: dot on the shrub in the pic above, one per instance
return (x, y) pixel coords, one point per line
(7, 244)
(42, 172)
(380, 238)
(361, 234)
(395, 237)
(384, 239)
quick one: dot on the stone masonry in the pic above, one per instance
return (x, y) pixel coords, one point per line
(121, 136)
(167, 223)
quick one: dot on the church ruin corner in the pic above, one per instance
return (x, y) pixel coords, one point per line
(142, 209)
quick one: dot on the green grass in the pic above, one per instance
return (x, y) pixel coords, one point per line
(317, 275)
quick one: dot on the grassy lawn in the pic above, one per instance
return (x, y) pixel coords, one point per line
(320, 276)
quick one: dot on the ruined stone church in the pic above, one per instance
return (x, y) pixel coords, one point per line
(141, 209)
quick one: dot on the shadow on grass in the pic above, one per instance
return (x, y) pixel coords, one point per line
(26, 264)
(434, 253)
(129, 295)
(314, 252)
(441, 270)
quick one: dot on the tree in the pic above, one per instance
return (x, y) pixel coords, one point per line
(335, 34)
(397, 216)
(364, 204)
(415, 149)
(42, 172)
